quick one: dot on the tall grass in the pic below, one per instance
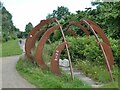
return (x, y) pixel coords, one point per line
(46, 79)
(99, 73)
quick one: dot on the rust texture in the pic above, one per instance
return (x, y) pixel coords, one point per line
(41, 44)
(108, 58)
(108, 53)
(78, 24)
(97, 29)
(105, 45)
(101, 33)
(55, 59)
(68, 53)
(35, 38)
(31, 36)
(91, 27)
(71, 32)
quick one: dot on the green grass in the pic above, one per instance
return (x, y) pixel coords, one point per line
(99, 73)
(10, 48)
(46, 79)
(110, 85)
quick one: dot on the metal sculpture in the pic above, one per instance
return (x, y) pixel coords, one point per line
(71, 32)
(95, 28)
(30, 38)
(68, 53)
(91, 27)
(109, 60)
(55, 59)
(105, 45)
(41, 44)
(37, 35)
(80, 26)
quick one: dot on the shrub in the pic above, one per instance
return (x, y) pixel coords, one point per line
(85, 48)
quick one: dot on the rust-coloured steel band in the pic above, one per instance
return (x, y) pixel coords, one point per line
(37, 35)
(81, 27)
(55, 59)
(97, 29)
(71, 32)
(108, 53)
(41, 44)
(105, 45)
(104, 38)
(31, 35)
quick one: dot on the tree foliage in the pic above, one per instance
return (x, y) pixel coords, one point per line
(60, 13)
(28, 28)
(106, 15)
(9, 31)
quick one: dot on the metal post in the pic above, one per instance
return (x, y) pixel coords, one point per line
(71, 69)
(110, 72)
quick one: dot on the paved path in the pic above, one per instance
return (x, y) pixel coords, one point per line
(10, 77)
(81, 76)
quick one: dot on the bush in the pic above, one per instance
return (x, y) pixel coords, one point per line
(87, 48)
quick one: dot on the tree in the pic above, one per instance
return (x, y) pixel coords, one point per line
(60, 13)
(8, 29)
(108, 16)
(28, 28)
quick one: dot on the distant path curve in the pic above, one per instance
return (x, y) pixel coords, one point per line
(10, 77)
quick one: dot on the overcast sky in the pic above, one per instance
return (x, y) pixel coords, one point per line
(25, 11)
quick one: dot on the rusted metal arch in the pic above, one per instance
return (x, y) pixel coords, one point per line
(94, 28)
(55, 58)
(105, 46)
(41, 44)
(35, 38)
(79, 26)
(69, 30)
(68, 53)
(37, 35)
(31, 36)
(97, 29)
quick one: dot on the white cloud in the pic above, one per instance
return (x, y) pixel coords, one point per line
(25, 11)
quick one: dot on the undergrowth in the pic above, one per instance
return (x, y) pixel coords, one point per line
(46, 79)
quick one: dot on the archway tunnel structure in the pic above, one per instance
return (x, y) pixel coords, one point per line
(47, 31)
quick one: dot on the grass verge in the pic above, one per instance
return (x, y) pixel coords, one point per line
(99, 73)
(45, 79)
(10, 48)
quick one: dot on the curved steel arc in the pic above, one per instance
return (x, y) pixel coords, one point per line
(97, 29)
(71, 32)
(80, 26)
(31, 36)
(55, 58)
(68, 53)
(108, 57)
(41, 44)
(37, 35)
(93, 28)
(106, 52)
